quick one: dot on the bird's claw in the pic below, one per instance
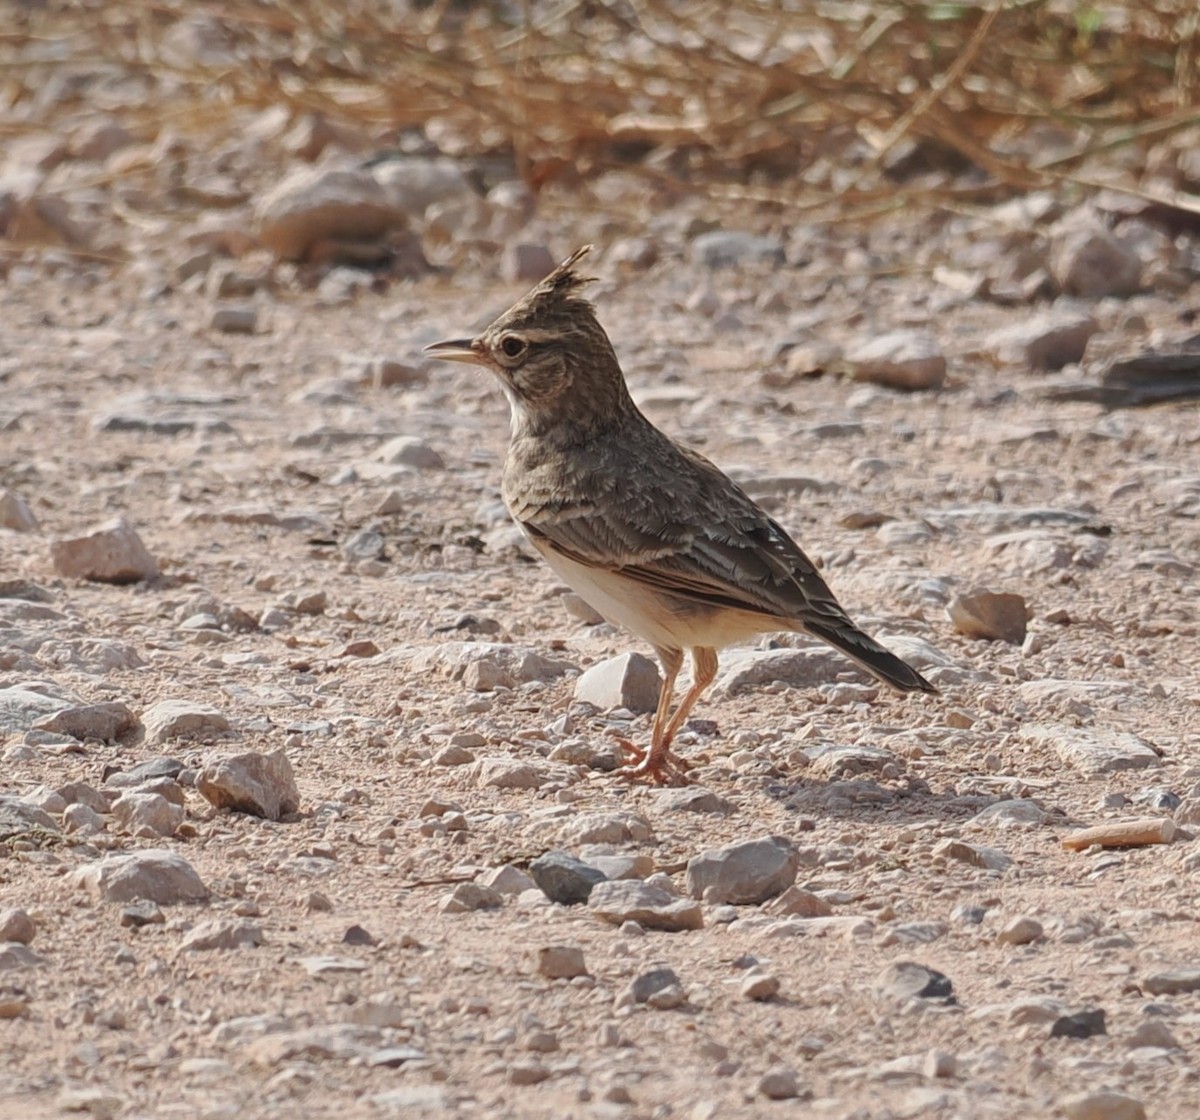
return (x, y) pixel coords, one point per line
(663, 769)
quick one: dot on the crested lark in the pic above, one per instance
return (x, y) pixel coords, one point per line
(652, 535)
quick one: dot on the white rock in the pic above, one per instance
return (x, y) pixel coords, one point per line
(651, 906)
(414, 183)
(16, 926)
(1098, 751)
(607, 828)
(561, 962)
(1102, 1105)
(630, 681)
(410, 451)
(507, 879)
(747, 871)
(186, 719)
(312, 205)
(222, 933)
(263, 785)
(109, 553)
(989, 615)
(147, 814)
(156, 874)
(800, 668)
(901, 359)
(1047, 341)
(15, 513)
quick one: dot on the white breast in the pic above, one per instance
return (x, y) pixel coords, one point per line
(641, 610)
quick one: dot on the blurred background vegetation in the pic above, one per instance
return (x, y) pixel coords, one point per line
(785, 102)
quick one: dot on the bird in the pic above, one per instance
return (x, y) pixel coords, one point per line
(651, 534)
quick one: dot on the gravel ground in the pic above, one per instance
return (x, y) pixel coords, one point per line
(364, 606)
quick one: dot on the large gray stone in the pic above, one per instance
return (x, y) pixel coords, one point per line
(109, 553)
(156, 875)
(749, 871)
(263, 785)
(629, 681)
(648, 904)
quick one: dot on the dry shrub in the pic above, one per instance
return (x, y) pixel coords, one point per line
(776, 99)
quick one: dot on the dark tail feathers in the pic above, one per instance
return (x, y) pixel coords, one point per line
(873, 657)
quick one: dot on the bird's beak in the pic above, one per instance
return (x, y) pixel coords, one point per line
(456, 350)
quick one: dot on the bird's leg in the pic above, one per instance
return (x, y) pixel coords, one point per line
(650, 763)
(704, 670)
(658, 762)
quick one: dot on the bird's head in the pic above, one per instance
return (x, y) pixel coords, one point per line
(552, 357)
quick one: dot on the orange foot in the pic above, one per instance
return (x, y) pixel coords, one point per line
(660, 767)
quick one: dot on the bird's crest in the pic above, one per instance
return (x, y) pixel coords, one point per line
(558, 292)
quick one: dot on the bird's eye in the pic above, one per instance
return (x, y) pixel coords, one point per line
(513, 346)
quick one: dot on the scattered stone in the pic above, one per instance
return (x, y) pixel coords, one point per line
(83, 819)
(780, 1084)
(733, 248)
(466, 897)
(147, 814)
(561, 962)
(102, 1104)
(234, 319)
(579, 608)
(16, 926)
(508, 880)
(624, 866)
(745, 872)
(528, 1072)
(759, 986)
(990, 615)
(1093, 751)
(939, 1063)
(630, 681)
(21, 821)
(453, 756)
(659, 987)
(692, 799)
(23, 705)
(901, 359)
(184, 719)
(565, 879)
(1081, 1024)
(222, 933)
(976, 855)
(109, 553)
(106, 721)
(1176, 982)
(156, 875)
(1102, 1105)
(525, 262)
(608, 828)
(339, 1041)
(142, 913)
(410, 451)
(798, 903)
(314, 208)
(1014, 812)
(1152, 1032)
(1021, 931)
(650, 905)
(1094, 263)
(905, 980)
(501, 772)
(1046, 341)
(263, 785)
(15, 513)
(799, 668)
